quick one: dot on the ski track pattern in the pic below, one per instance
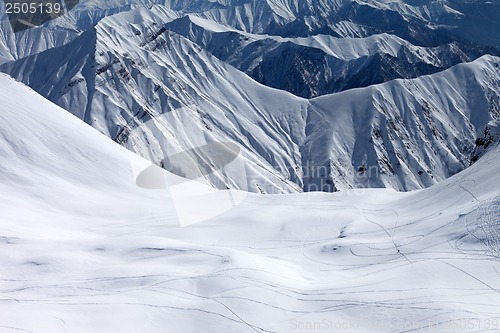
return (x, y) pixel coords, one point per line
(487, 219)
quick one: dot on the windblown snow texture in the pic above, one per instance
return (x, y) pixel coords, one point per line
(87, 250)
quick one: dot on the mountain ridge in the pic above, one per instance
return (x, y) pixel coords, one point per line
(318, 65)
(133, 77)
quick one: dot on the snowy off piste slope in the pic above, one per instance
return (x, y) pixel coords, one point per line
(158, 93)
(84, 249)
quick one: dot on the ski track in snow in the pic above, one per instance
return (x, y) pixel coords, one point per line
(378, 253)
(487, 222)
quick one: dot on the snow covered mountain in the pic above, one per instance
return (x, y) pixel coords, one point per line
(158, 94)
(321, 64)
(160, 83)
(428, 23)
(84, 249)
(157, 80)
(63, 29)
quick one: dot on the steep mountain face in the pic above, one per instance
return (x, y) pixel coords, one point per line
(487, 138)
(473, 21)
(319, 65)
(427, 23)
(158, 94)
(417, 131)
(64, 29)
(27, 42)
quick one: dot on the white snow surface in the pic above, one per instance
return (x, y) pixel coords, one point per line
(84, 249)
